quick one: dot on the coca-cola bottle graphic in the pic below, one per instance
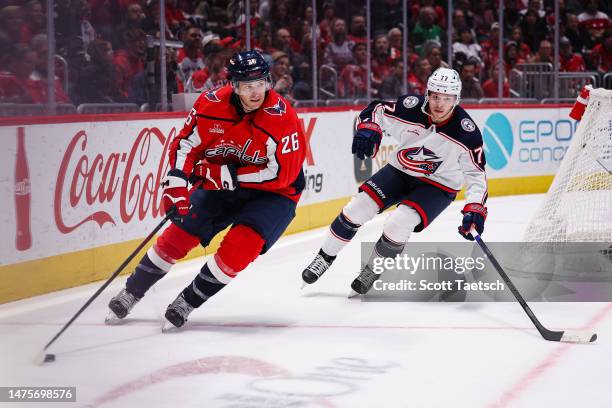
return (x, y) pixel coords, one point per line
(23, 237)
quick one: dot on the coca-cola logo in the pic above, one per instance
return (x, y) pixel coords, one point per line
(95, 181)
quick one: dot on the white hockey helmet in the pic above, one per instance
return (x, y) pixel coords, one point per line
(445, 81)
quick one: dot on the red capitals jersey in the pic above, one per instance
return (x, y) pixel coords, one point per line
(267, 146)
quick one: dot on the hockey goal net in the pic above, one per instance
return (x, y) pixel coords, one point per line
(578, 205)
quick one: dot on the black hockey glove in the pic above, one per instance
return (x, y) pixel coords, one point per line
(367, 140)
(473, 214)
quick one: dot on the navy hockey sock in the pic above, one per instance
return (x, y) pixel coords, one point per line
(145, 276)
(343, 228)
(202, 287)
(385, 248)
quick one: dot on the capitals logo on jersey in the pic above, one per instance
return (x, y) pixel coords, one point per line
(277, 109)
(212, 95)
(419, 159)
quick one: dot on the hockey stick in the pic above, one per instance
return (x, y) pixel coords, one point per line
(41, 357)
(550, 335)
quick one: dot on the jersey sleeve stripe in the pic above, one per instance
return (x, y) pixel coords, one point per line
(186, 146)
(464, 147)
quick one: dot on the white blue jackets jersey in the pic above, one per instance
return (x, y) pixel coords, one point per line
(446, 155)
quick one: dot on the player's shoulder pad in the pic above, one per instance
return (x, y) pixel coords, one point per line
(275, 108)
(214, 96)
(463, 129)
(409, 108)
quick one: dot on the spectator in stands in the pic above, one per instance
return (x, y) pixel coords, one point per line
(483, 18)
(573, 32)
(516, 35)
(302, 70)
(601, 56)
(470, 88)
(37, 82)
(417, 80)
(595, 29)
(395, 42)
(381, 60)
(338, 52)
(15, 71)
(534, 29)
(512, 15)
(387, 15)
(569, 61)
(425, 29)
(329, 15)
(214, 73)
(174, 16)
(353, 78)
(490, 47)
(133, 18)
(467, 45)
(280, 17)
(190, 58)
(544, 54)
(11, 20)
(440, 12)
(490, 85)
(433, 52)
(391, 87)
(96, 82)
(34, 21)
(281, 75)
(144, 90)
(131, 61)
(534, 6)
(591, 12)
(468, 16)
(512, 57)
(282, 42)
(358, 29)
(263, 40)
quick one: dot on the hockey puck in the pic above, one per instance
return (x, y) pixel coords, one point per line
(49, 358)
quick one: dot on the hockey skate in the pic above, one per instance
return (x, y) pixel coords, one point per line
(120, 306)
(363, 283)
(176, 314)
(317, 267)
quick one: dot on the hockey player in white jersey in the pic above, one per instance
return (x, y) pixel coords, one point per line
(439, 149)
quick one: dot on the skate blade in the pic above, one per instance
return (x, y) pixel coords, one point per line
(353, 294)
(168, 327)
(303, 285)
(112, 319)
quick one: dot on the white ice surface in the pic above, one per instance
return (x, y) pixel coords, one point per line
(262, 342)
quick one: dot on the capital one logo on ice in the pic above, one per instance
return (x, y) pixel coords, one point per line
(92, 185)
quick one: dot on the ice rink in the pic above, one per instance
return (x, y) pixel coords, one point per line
(263, 342)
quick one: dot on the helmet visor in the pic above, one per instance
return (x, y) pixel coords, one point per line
(247, 88)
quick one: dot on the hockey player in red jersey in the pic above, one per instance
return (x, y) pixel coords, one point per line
(439, 149)
(237, 162)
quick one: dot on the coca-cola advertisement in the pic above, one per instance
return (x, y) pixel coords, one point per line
(78, 186)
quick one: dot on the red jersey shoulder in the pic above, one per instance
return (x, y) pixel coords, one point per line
(214, 96)
(277, 106)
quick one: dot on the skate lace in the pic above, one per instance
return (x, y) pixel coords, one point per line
(367, 276)
(318, 265)
(126, 299)
(181, 306)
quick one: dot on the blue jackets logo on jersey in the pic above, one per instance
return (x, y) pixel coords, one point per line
(419, 159)
(277, 109)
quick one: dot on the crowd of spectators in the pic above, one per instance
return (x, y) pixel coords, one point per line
(107, 50)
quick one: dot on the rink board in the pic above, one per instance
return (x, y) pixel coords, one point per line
(92, 183)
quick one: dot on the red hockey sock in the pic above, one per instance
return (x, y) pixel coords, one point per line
(238, 249)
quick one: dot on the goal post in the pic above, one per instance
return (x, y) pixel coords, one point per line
(578, 205)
